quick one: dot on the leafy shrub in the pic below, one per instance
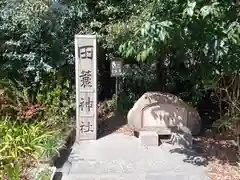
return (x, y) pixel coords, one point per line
(22, 143)
(17, 101)
(227, 90)
(57, 102)
(34, 121)
(52, 101)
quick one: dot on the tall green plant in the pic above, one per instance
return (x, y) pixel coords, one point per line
(57, 101)
(21, 143)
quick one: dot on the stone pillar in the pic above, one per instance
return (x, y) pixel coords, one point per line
(86, 87)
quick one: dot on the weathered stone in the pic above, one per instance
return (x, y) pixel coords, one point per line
(148, 138)
(162, 113)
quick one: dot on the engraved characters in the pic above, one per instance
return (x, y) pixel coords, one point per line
(86, 79)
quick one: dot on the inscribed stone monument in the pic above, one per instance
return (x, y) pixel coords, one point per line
(162, 113)
(86, 87)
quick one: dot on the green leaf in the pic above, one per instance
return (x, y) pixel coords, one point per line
(129, 52)
(147, 26)
(139, 57)
(205, 11)
(217, 72)
(162, 35)
(166, 23)
(144, 55)
(142, 31)
(190, 8)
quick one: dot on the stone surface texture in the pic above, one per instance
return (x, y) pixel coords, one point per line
(148, 138)
(118, 156)
(162, 112)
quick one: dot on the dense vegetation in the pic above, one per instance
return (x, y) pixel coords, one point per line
(188, 48)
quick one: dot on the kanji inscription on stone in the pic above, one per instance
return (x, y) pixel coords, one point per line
(86, 127)
(86, 52)
(86, 78)
(86, 104)
(86, 87)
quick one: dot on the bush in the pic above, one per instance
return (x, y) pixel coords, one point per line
(21, 145)
(34, 121)
(51, 101)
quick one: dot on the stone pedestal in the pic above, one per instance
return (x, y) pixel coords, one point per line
(149, 138)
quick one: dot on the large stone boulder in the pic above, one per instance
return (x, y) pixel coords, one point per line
(163, 113)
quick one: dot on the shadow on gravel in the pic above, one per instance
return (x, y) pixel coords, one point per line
(211, 147)
(221, 147)
(191, 156)
(110, 125)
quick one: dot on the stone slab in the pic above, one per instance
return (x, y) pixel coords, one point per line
(105, 177)
(120, 154)
(148, 138)
(135, 176)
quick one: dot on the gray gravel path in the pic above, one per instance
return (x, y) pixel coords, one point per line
(118, 156)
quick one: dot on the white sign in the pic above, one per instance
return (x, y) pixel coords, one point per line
(86, 87)
(116, 68)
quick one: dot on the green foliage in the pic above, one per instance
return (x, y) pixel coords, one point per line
(229, 93)
(35, 37)
(18, 101)
(21, 143)
(110, 105)
(197, 41)
(44, 174)
(51, 146)
(52, 101)
(37, 56)
(37, 123)
(57, 101)
(13, 172)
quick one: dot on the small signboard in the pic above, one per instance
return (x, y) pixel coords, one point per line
(116, 68)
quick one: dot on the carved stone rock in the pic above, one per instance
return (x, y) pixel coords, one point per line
(163, 113)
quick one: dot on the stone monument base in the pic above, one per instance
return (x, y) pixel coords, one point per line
(149, 138)
(182, 137)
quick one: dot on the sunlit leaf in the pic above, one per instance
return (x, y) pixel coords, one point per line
(190, 8)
